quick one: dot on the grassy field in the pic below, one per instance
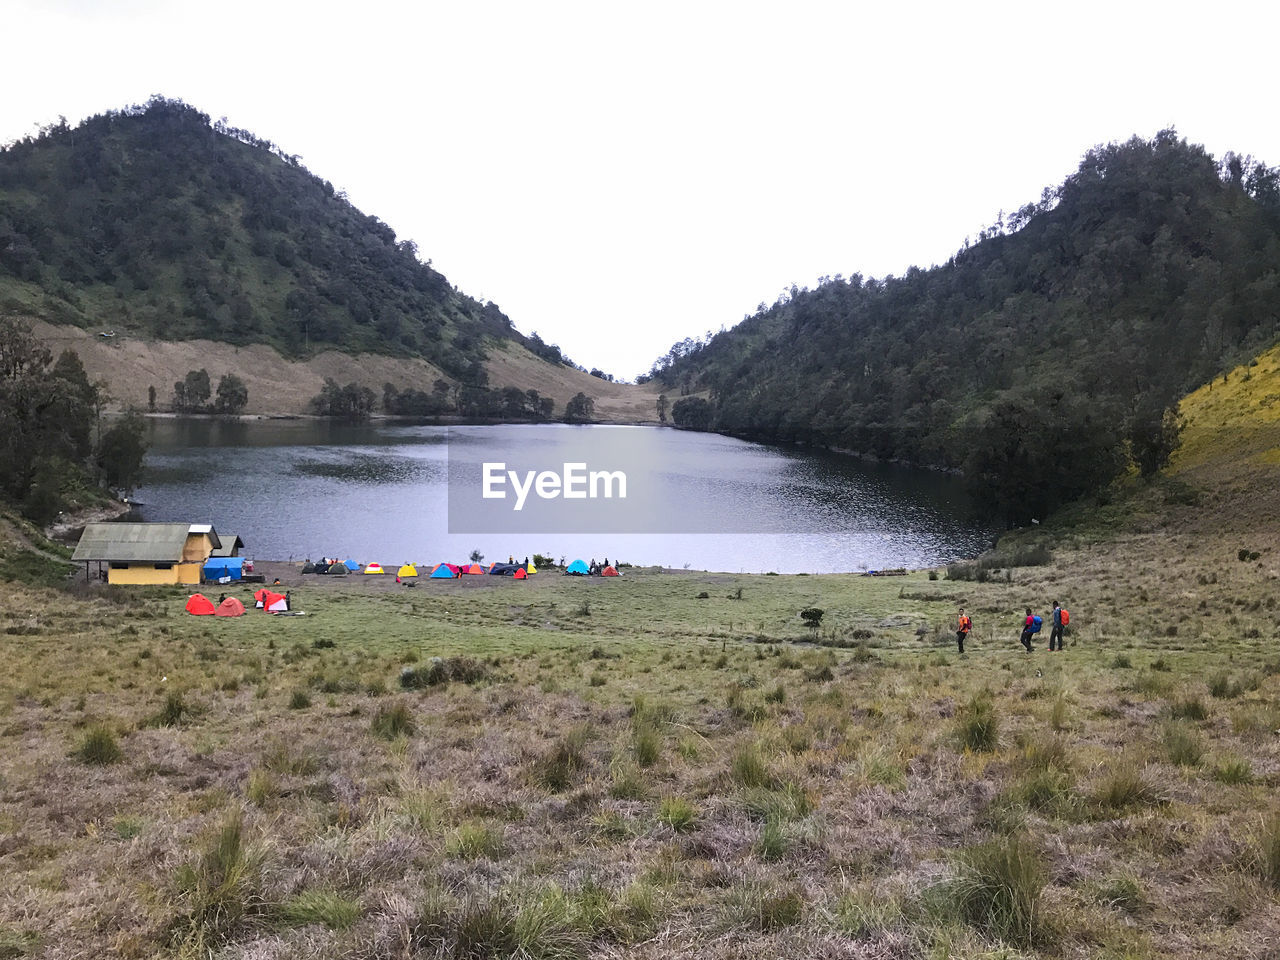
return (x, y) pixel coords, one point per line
(670, 764)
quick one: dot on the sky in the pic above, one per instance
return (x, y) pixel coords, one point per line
(618, 177)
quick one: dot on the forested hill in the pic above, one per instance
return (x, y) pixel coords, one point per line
(154, 221)
(1040, 360)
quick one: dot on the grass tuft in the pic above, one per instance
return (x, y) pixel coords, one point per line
(677, 813)
(998, 889)
(319, 906)
(99, 747)
(978, 725)
(393, 720)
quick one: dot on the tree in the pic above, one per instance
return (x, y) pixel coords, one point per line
(151, 398)
(233, 395)
(121, 452)
(662, 408)
(1154, 435)
(692, 413)
(580, 409)
(199, 388)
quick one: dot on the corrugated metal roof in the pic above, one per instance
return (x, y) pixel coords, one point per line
(230, 542)
(143, 542)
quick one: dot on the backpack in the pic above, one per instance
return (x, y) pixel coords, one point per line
(1066, 617)
(1036, 622)
(966, 624)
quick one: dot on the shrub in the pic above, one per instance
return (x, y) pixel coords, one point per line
(677, 813)
(173, 713)
(1122, 661)
(998, 889)
(1192, 708)
(220, 888)
(748, 768)
(471, 841)
(777, 695)
(393, 720)
(300, 700)
(1234, 772)
(319, 906)
(1223, 686)
(441, 670)
(99, 747)
(556, 770)
(978, 725)
(1182, 744)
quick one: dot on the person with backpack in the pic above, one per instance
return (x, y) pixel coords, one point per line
(1030, 627)
(963, 626)
(1060, 619)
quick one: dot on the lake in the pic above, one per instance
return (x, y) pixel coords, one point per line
(396, 492)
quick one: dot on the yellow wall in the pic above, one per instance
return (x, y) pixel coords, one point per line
(197, 549)
(141, 573)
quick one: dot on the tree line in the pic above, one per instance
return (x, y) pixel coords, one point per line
(1044, 359)
(57, 449)
(356, 402)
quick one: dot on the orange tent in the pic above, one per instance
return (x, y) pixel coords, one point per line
(520, 574)
(473, 568)
(198, 605)
(230, 607)
(609, 571)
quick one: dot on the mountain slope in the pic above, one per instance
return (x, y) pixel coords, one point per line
(156, 223)
(1037, 360)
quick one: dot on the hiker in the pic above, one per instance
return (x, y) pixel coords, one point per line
(1028, 629)
(963, 626)
(1058, 623)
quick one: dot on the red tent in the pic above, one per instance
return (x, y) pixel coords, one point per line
(275, 603)
(609, 571)
(198, 605)
(260, 595)
(520, 574)
(230, 607)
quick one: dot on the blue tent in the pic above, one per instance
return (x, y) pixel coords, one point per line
(444, 571)
(578, 568)
(218, 567)
(503, 569)
(351, 565)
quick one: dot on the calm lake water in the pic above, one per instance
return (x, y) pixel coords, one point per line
(381, 491)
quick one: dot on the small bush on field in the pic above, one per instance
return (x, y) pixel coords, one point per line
(1182, 744)
(978, 725)
(1122, 661)
(998, 889)
(472, 841)
(441, 670)
(393, 720)
(1192, 708)
(765, 907)
(557, 769)
(261, 787)
(626, 782)
(647, 743)
(1234, 772)
(299, 700)
(1223, 686)
(1122, 892)
(173, 713)
(789, 802)
(749, 769)
(1124, 786)
(677, 813)
(772, 844)
(319, 906)
(1058, 714)
(1268, 850)
(99, 747)
(219, 889)
(285, 758)
(777, 695)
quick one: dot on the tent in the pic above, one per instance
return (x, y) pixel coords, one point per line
(259, 597)
(578, 568)
(374, 568)
(502, 569)
(198, 605)
(520, 574)
(351, 565)
(275, 603)
(609, 571)
(309, 567)
(444, 571)
(339, 569)
(530, 568)
(216, 568)
(230, 607)
(408, 570)
(473, 569)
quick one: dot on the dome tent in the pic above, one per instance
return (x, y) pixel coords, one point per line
(407, 570)
(198, 605)
(578, 568)
(230, 607)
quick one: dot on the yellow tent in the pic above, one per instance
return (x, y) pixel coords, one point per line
(408, 570)
(531, 569)
(374, 568)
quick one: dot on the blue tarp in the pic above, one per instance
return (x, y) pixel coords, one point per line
(578, 567)
(351, 565)
(220, 567)
(504, 569)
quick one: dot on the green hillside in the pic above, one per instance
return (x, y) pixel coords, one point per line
(1040, 360)
(154, 221)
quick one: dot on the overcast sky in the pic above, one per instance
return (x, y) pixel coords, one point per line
(618, 177)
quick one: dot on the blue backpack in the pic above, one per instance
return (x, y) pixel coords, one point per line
(1035, 624)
